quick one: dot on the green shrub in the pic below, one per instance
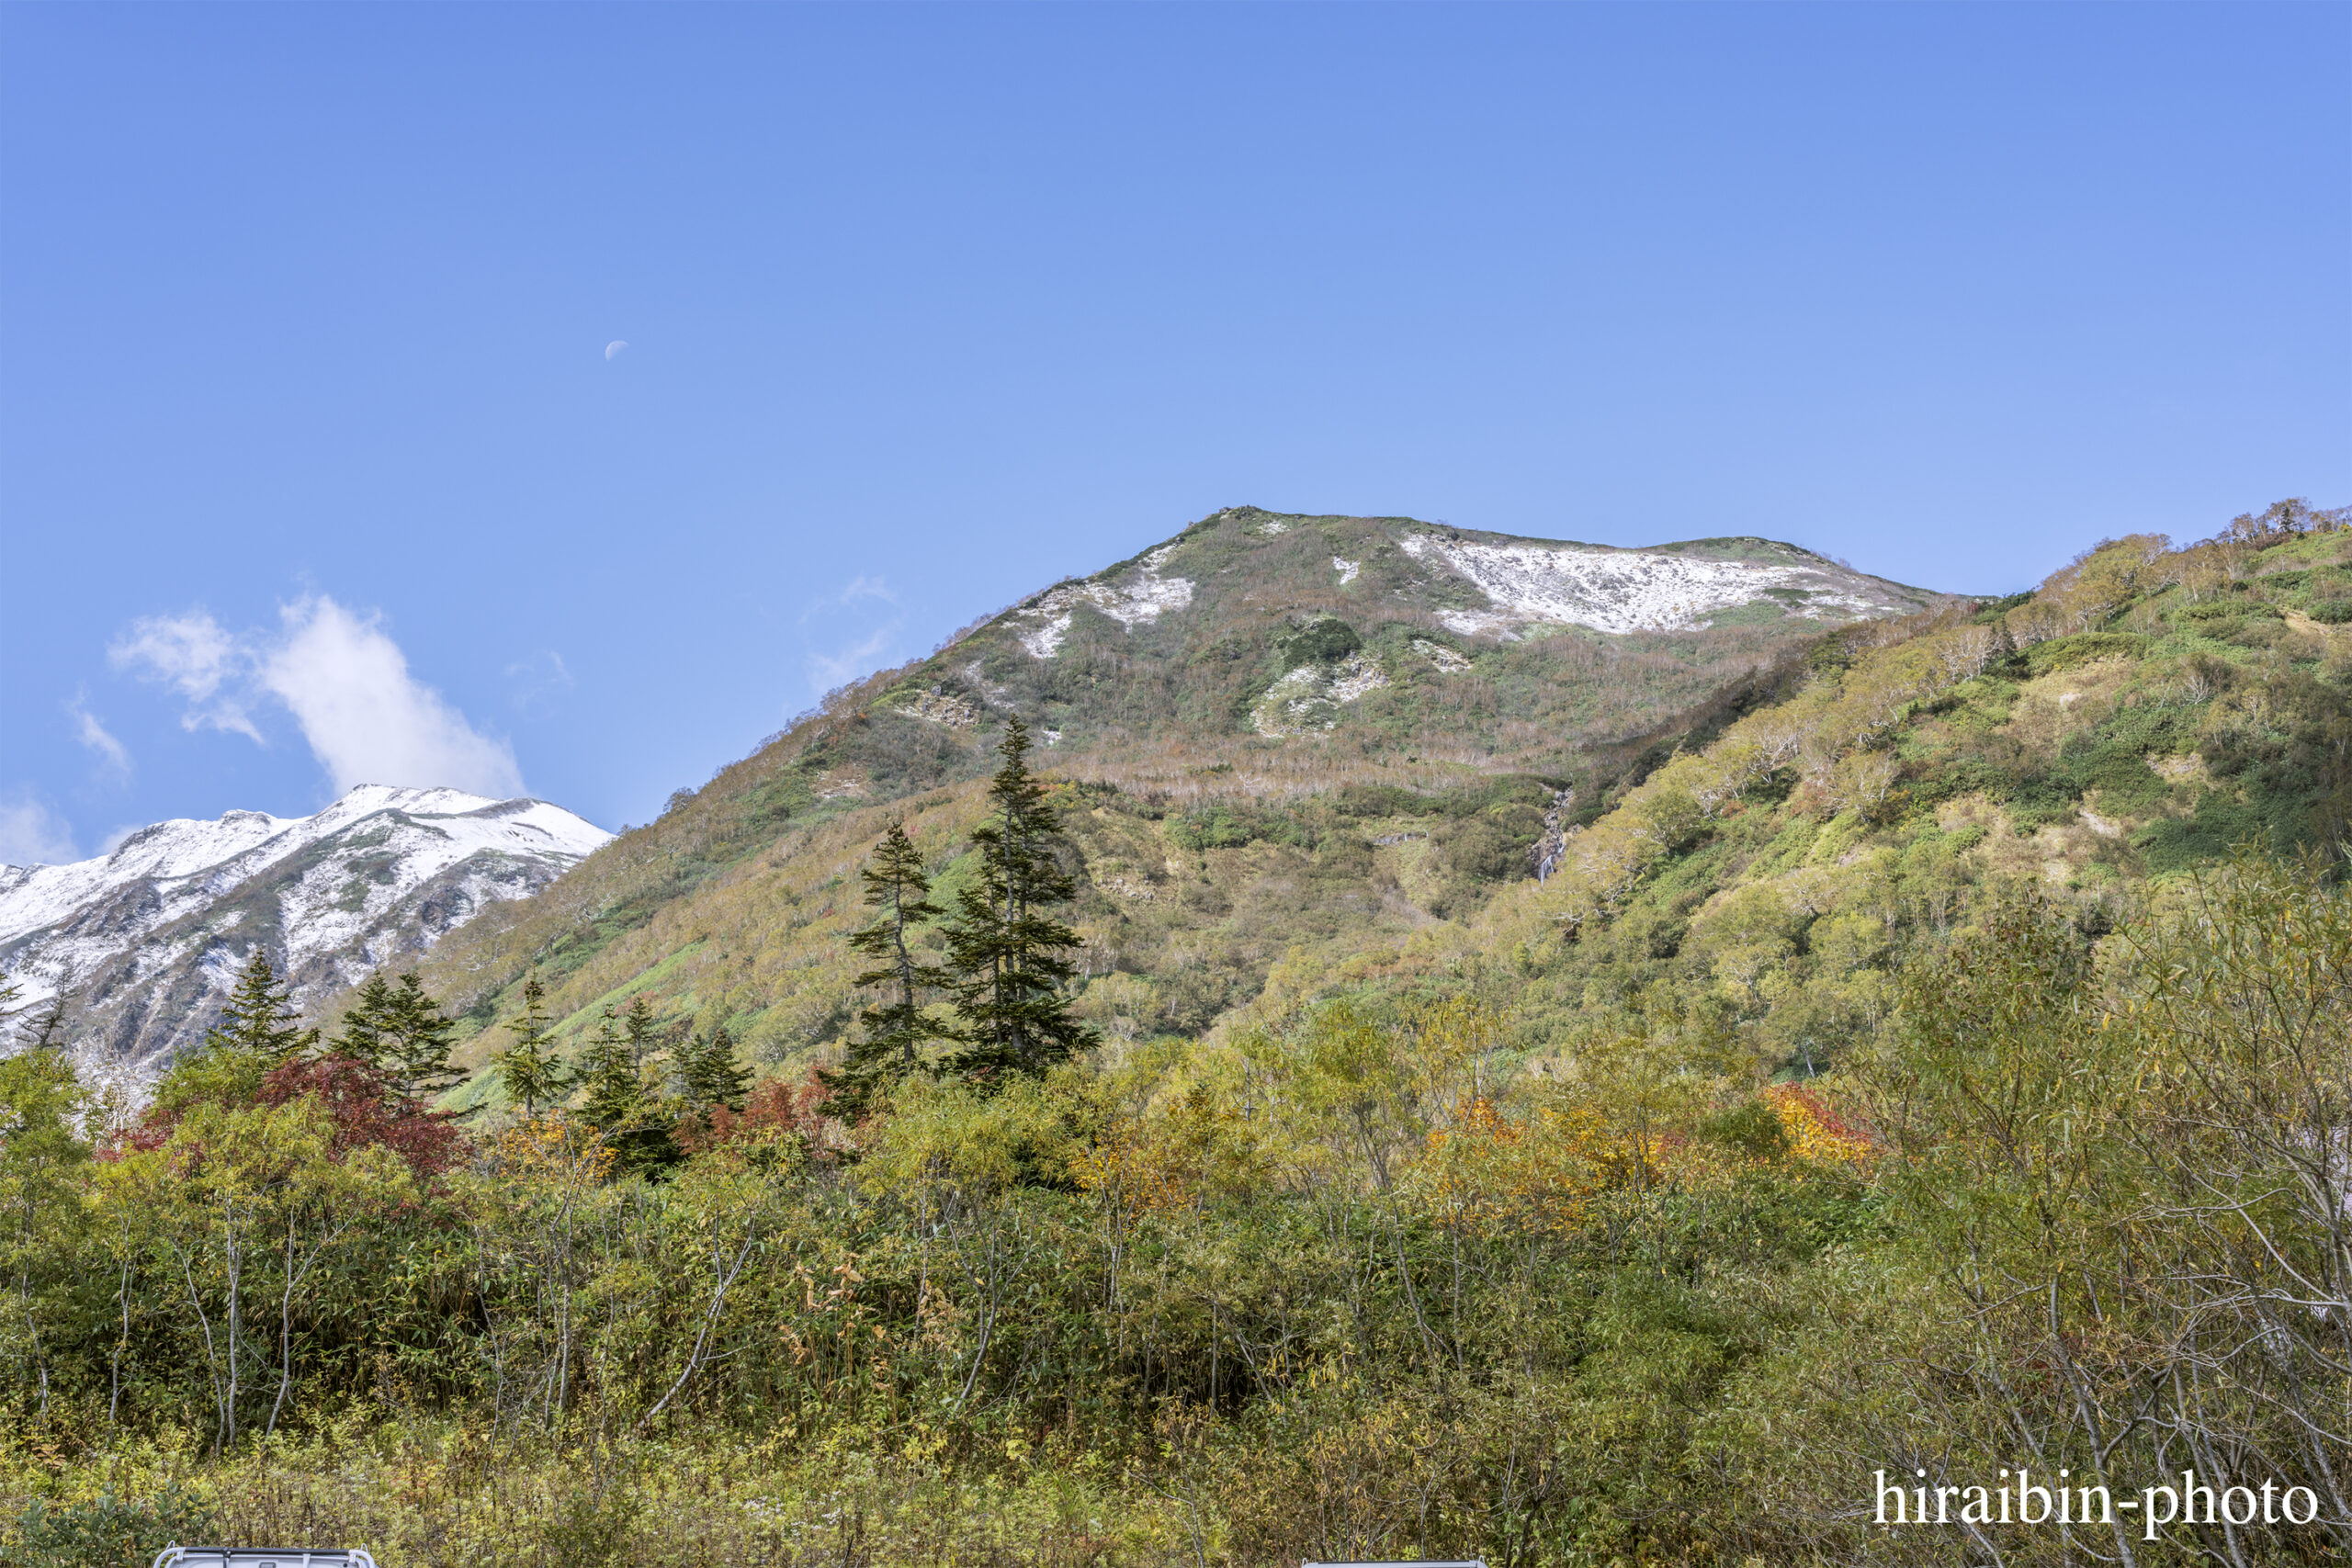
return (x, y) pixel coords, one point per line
(2084, 647)
(109, 1532)
(1323, 640)
(1751, 1128)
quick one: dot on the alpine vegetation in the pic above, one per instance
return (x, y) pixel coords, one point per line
(1852, 1077)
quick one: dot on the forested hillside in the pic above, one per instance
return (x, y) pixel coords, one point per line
(1923, 1062)
(1320, 732)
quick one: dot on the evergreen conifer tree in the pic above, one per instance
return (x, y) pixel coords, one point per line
(637, 1025)
(43, 1030)
(620, 1105)
(399, 1030)
(1004, 951)
(364, 1027)
(422, 1038)
(709, 1073)
(260, 1019)
(895, 1031)
(529, 1069)
(48, 1032)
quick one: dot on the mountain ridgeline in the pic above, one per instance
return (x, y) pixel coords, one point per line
(1277, 732)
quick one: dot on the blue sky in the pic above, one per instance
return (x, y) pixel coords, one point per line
(313, 464)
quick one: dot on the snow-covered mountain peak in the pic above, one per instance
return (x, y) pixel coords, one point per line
(140, 939)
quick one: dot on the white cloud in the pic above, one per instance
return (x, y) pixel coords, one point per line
(539, 676)
(827, 670)
(834, 618)
(856, 590)
(193, 656)
(367, 720)
(114, 759)
(31, 834)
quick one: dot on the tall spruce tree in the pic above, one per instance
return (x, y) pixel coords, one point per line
(421, 1039)
(637, 1027)
(366, 1026)
(625, 1111)
(894, 1030)
(1003, 950)
(260, 1019)
(709, 1073)
(529, 1069)
(399, 1029)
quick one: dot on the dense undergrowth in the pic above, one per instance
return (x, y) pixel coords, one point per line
(1349, 1287)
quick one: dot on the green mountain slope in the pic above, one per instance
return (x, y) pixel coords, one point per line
(1321, 733)
(1779, 830)
(2141, 714)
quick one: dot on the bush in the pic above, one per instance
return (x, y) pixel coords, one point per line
(2084, 647)
(1322, 640)
(109, 1532)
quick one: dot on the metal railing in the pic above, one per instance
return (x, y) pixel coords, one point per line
(261, 1556)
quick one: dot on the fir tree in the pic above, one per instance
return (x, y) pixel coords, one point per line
(364, 1027)
(529, 1069)
(1004, 951)
(631, 1119)
(637, 1025)
(422, 1037)
(260, 1019)
(709, 1074)
(891, 1046)
(399, 1030)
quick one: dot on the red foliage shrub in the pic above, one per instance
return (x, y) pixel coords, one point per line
(154, 1129)
(774, 1106)
(369, 1111)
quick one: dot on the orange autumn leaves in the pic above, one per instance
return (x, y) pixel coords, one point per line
(1545, 1170)
(1425, 1115)
(1816, 1134)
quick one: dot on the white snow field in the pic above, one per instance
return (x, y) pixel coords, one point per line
(1144, 596)
(1631, 591)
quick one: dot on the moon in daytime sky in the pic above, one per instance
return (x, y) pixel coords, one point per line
(614, 346)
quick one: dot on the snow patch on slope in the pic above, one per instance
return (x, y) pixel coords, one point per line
(1628, 591)
(1437, 653)
(1308, 697)
(1143, 597)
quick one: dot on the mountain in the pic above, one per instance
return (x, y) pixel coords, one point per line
(145, 943)
(2139, 719)
(1252, 622)
(1286, 738)
(1571, 827)
(1288, 735)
